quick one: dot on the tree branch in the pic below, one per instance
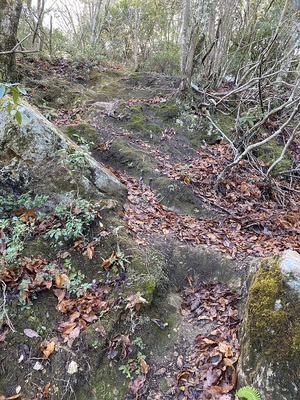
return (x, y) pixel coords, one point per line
(14, 50)
(254, 146)
(284, 150)
(224, 136)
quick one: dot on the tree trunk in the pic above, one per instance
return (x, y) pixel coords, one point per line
(10, 11)
(185, 34)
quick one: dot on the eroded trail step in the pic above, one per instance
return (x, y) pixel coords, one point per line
(194, 354)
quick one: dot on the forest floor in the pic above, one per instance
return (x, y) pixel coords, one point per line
(169, 163)
(136, 116)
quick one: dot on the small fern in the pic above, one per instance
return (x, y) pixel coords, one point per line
(248, 393)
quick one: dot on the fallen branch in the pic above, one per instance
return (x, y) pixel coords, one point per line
(14, 49)
(224, 136)
(3, 312)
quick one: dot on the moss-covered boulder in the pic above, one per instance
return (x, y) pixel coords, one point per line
(271, 333)
(38, 156)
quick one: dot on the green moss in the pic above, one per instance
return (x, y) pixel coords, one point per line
(273, 321)
(138, 121)
(270, 152)
(146, 287)
(138, 161)
(81, 133)
(95, 76)
(167, 111)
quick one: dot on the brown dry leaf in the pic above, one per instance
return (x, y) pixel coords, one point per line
(63, 255)
(225, 349)
(108, 262)
(48, 349)
(184, 376)
(137, 384)
(160, 371)
(46, 389)
(65, 305)
(73, 335)
(82, 324)
(60, 280)
(144, 367)
(66, 327)
(179, 361)
(101, 330)
(90, 250)
(25, 214)
(74, 316)
(60, 294)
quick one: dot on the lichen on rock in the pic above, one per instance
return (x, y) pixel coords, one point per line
(34, 155)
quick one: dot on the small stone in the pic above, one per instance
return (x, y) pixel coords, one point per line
(72, 368)
(38, 366)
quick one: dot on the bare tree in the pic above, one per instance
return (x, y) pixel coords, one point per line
(10, 11)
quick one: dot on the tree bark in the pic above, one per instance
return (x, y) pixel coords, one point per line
(10, 11)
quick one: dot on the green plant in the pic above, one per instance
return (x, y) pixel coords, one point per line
(250, 117)
(75, 158)
(14, 234)
(139, 342)
(23, 295)
(132, 366)
(12, 105)
(71, 220)
(17, 223)
(248, 393)
(119, 261)
(51, 114)
(26, 201)
(75, 284)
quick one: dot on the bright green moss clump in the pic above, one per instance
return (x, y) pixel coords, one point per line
(273, 317)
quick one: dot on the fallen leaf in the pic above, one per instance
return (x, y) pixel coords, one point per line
(60, 280)
(31, 333)
(46, 390)
(47, 349)
(144, 367)
(160, 371)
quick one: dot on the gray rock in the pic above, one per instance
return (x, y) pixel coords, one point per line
(290, 266)
(270, 338)
(36, 156)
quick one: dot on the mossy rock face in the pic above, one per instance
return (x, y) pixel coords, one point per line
(270, 152)
(81, 133)
(138, 121)
(168, 111)
(125, 155)
(36, 155)
(179, 197)
(271, 334)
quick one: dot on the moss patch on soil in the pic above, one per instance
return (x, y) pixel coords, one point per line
(81, 133)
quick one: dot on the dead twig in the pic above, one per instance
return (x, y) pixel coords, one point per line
(3, 311)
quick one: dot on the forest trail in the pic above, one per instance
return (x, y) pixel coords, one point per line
(176, 243)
